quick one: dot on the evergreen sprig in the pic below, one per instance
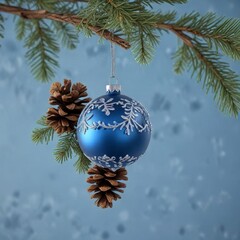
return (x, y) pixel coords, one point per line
(214, 74)
(217, 76)
(67, 146)
(67, 34)
(63, 150)
(43, 38)
(44, 134)
(130, 19)
(42, 50)
(205, 39)
(182, 59)
(219, 32)
(22, 27)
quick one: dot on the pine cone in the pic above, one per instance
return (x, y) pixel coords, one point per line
(64, 118)
(105, 183)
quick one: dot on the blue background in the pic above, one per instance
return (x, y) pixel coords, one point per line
(186, 186)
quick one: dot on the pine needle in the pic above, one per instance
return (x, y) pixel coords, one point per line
(1, 26)
(172, 2)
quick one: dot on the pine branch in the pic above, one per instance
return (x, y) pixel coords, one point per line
(64, 150)
(219, 32)
(82, 164)
(143, 46)
(216, 75)
(71, 19)
(22, 27)
(145, 41)
(165, 18)
(182, 59)
(42, 50)
(67, 34)
(42, 121)
(127, 18)
(44, 134)
(202, 38)
(66, 147)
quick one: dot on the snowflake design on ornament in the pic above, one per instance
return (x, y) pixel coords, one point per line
(83, 125)
(111, 162)
(128, 159)
(105, 158)
(107, 106)
(129, 123)
(132, 109)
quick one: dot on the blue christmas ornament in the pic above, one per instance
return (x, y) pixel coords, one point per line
(113, 130)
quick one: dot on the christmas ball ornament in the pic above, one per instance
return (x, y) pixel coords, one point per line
(113, 130)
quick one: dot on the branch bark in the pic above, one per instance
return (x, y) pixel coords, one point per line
(71, 19)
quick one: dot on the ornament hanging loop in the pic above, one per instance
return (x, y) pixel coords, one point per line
(113, 79)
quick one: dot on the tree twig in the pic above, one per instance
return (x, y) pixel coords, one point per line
(173, 28)
(71, 19)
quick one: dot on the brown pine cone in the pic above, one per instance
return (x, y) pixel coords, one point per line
(71, 101)
(105, 184)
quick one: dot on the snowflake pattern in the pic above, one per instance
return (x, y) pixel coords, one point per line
(111, 162)
(107, 106)
(129, 123)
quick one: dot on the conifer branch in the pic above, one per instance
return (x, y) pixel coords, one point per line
(67, 34)
(42, 50)
(208, 67)
(71, 19)
(82, 164)
(64, 151)
(218, 32)
(44, 134)
(66, 147)
(21, 27)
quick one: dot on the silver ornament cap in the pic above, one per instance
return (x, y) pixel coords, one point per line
(110, 88)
